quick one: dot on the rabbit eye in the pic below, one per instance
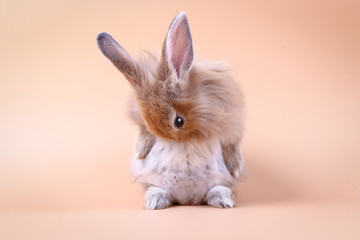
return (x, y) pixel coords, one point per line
(179, 122)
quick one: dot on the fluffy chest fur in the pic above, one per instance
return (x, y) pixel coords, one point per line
(186, 170)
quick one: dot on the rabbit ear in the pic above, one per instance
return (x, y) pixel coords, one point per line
(119, 57)
(177, 52)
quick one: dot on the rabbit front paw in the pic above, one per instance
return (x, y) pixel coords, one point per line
(220, 196)
(234, 161)
(156, 198)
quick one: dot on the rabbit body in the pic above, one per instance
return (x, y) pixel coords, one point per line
(190, 119)
(185, 170)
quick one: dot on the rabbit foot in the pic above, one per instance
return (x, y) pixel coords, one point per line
(156, 198)
(220, 196)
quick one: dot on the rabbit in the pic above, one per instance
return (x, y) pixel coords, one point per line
(190, 117)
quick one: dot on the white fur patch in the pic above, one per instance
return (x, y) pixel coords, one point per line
(185, 170)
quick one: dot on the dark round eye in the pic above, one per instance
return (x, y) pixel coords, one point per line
(179, 122)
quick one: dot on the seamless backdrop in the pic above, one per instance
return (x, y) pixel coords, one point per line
(66, 142)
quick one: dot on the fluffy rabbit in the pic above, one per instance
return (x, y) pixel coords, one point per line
(190, 118)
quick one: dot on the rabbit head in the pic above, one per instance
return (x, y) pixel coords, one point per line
(176, 100)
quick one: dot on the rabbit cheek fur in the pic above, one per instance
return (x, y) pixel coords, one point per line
(185, 171)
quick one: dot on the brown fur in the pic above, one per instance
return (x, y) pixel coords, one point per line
(232, 157)
(209, 100)
(144, 143)
(204, 94)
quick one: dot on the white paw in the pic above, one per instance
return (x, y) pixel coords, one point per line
(156, 198)
(220, 196)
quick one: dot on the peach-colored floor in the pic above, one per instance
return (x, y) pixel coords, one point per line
(66, 143)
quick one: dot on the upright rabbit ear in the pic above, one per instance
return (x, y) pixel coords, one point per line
(177, 51)
(119, 57)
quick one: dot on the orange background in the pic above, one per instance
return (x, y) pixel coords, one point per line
(66, 143)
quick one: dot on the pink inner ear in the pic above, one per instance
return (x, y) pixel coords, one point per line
(178, 49)
(179, 46)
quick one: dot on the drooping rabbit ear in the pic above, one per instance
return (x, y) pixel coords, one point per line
(119, 57)
(177, 51)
